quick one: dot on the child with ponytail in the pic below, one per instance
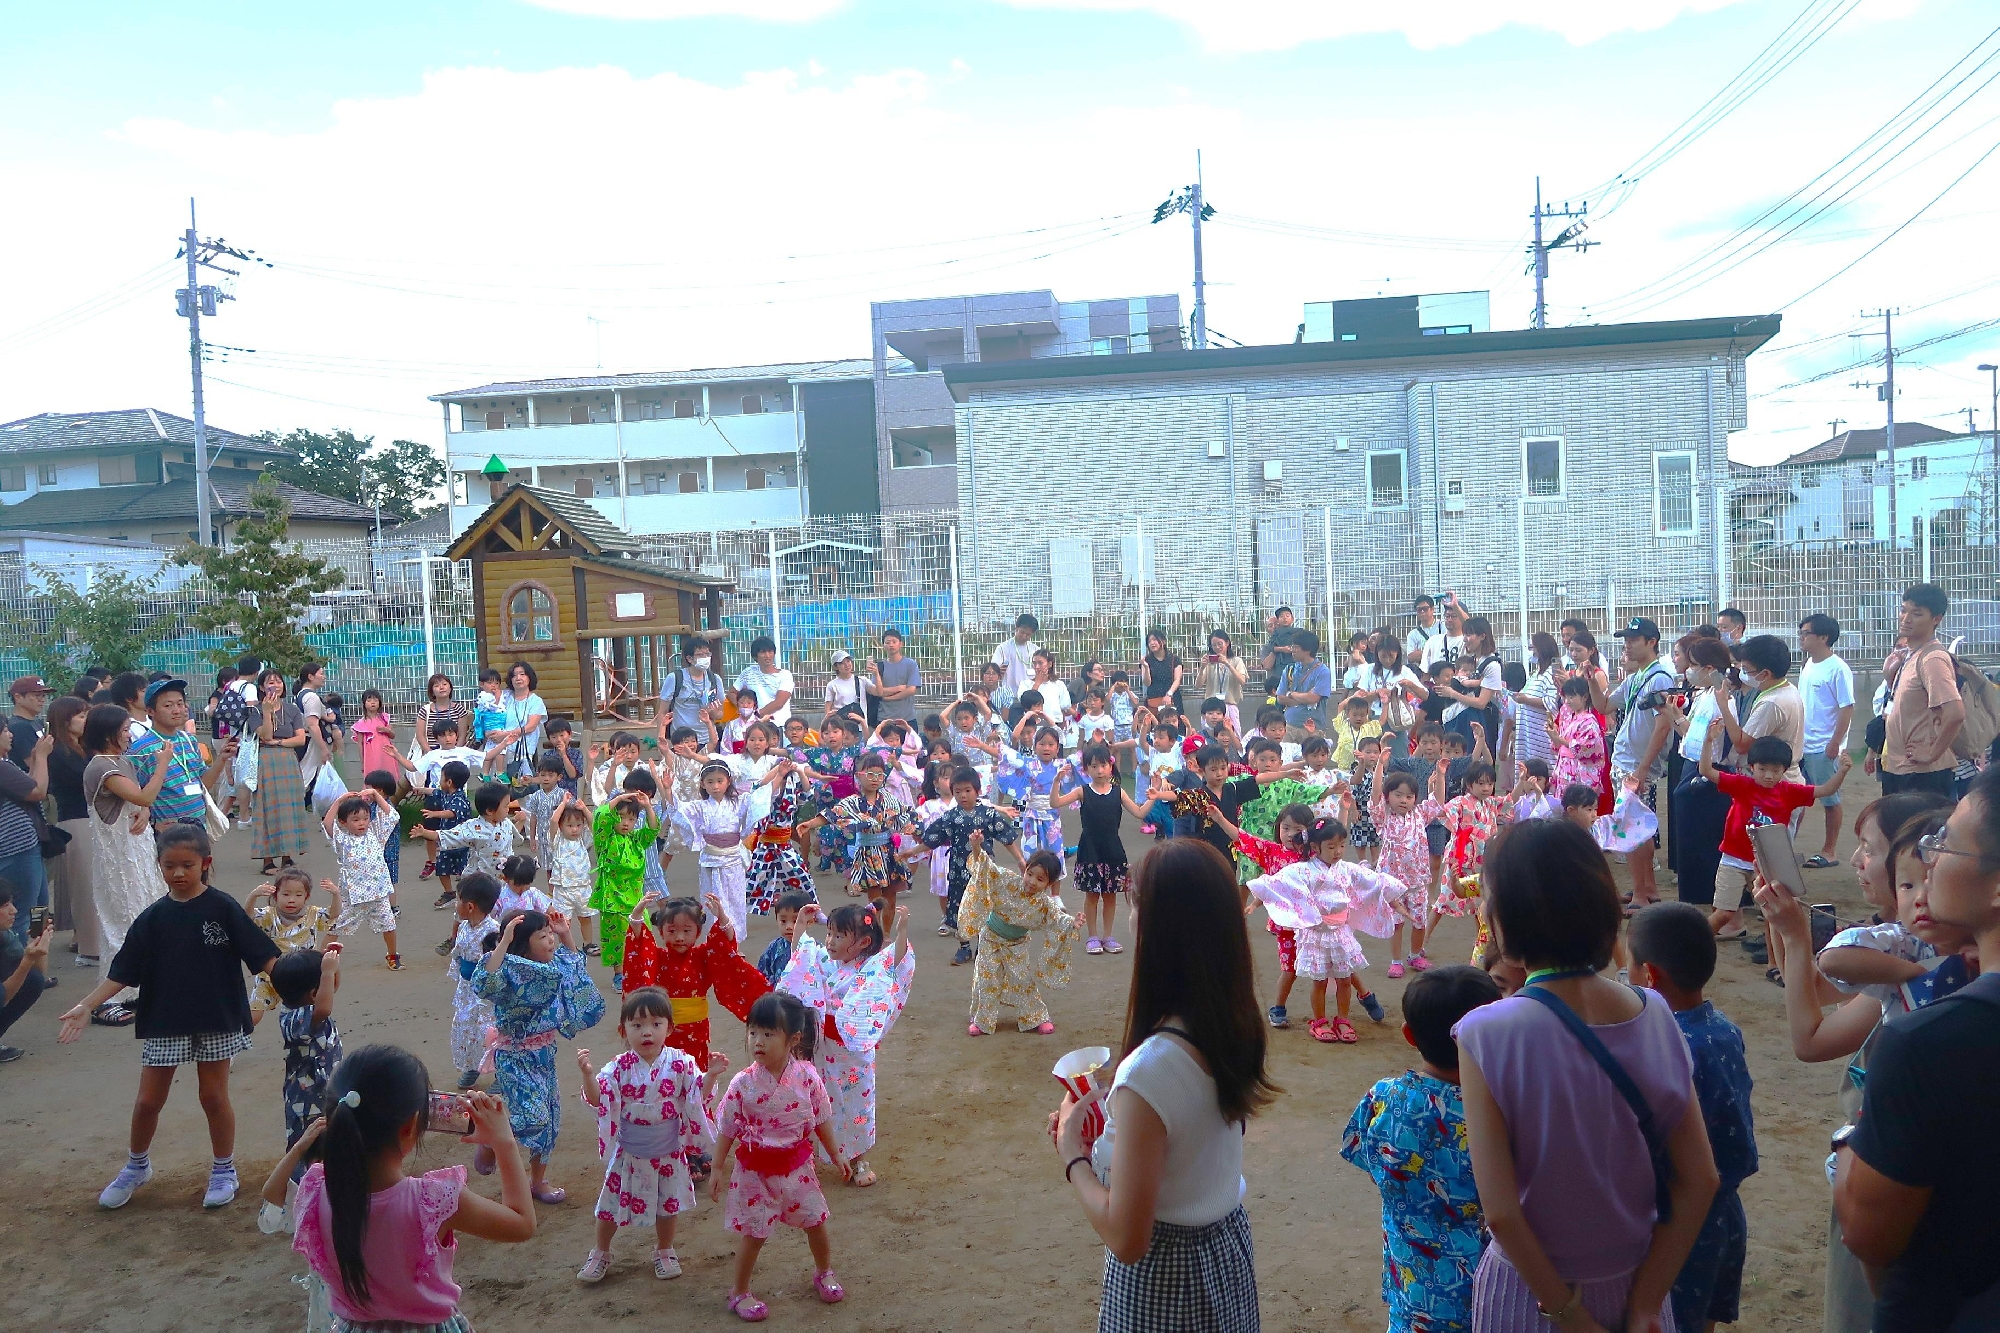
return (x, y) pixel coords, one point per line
(383, 1242)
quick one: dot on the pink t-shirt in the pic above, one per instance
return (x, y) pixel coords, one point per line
(409, 1266)
(377, 750)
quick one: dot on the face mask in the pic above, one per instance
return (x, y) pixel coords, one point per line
(700, 659)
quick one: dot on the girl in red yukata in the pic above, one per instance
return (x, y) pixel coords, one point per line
(768, 1120)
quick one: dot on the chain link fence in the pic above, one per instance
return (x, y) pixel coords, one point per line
(1801, 540)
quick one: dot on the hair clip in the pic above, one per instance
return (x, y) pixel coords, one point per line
(350, 1099)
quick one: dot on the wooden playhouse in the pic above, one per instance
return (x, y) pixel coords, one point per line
(560, 587)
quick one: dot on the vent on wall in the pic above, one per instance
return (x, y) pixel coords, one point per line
(1454, 496)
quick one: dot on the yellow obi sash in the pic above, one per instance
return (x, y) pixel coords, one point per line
(690, 1009)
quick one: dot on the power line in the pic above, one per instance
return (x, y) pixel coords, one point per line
(132, 289)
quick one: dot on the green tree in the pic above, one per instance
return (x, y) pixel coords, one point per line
(66, 630)
(260, 586)
(404, 475)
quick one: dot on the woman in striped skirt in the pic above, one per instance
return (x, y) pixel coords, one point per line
(284, 820)
(1168, 1203)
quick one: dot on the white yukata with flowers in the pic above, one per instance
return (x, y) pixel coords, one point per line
(862, 1000)
(485, 844)
(650, 1120)
(471, 1014)
(363, 874)
(1324, 905)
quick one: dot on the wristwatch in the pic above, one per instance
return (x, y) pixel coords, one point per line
(1842, 1136)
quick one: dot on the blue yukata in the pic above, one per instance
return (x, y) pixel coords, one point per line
(1032, 782)
(456, 810)
(777, 956)
(1409, 1135)
(833, 771)
(534, 1003)
(1712, 1278)
(954, 829)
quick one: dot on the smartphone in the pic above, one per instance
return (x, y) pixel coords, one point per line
(448, 1114)
(1777, 860)
(38, 919)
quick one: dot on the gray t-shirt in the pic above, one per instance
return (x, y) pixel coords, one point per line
(1644, 686)
(902, 672)
(690, 694)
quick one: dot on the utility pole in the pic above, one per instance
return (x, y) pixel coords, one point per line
(1886, 392)
(192, 302)
(1189, 201)
(1570, 238)
(1836, 424)
(1994, 422)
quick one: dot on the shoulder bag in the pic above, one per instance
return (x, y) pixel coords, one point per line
(1649, 1130)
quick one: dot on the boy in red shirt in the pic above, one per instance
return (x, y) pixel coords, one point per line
(1761, 797)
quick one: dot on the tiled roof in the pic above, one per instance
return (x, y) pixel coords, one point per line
(843, 369)
(1866, 443)
(172, 502)
(136, 427)
(583, 519)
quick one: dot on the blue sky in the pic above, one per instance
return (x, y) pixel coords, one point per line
(454, 192)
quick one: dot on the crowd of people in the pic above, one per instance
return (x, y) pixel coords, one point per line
(1566, 1150)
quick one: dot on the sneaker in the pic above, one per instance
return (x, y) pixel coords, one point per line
(124, 1185)
(430, 868)
(666, 1265)
(442, 950)
(469, 1079)
(1373, 1007)
(964, 955)
(594, 1267)
(9, 1054)
(618, 982)
(86, 960)
(945, 930)
(1279, 1018)
(1395, 969)
(394, 962)
(221, 1188)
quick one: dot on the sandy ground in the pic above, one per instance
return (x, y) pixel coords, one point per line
(970, 1225)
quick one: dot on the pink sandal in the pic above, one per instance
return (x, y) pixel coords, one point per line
(974, 1030)
(747, 1308)
(549, 1194)
(1323, 1031)
(1046, 1029)
(829, 1288)
(1343, 1032)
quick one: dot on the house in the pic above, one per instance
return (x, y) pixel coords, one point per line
(128, 476)
(1838, 490)
(1545, 467)
(916, 442)
(674, 451)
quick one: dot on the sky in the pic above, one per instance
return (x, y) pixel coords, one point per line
(452, 193)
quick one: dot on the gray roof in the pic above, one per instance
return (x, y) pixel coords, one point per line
(583, 519)
(61, 432)
(1749, 331)
(171, 502)
(1864, 443)
(845, 369)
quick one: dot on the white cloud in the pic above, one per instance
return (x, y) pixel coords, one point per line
(769, 11)
(1276, 25)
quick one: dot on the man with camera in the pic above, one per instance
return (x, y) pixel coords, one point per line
(1639, 754)
(24, 965)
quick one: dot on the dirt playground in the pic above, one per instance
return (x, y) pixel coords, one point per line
(971, 1225)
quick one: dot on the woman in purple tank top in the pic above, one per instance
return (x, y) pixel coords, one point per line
(1565, 1173)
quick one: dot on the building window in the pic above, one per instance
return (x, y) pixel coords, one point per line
(1542, 466)
(13, 479)
(1673, 494)
(120, 471)
(461, 491)
(45, 475)
(496, 421)
(1919, 468)
(529, 620)
(1385, 480)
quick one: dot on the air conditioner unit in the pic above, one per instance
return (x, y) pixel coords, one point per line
(1340, 443)
(1216, 450)
(1454, 496)
(1274, 469)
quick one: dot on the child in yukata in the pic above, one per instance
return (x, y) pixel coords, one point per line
(665, 947)
(777, 955)
(715, 823)
(1001, 910)
(652, 1119)
(283, 910)
(856, 989)
(1032, 780)
(359, 827)
(540, 988)
(830, 767)
(471, 1013)
(870, 820)
(1471, 818)
(953, 830)
(624, 832)
(776, 868)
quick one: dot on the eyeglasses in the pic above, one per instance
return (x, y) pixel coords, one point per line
(1931, 846)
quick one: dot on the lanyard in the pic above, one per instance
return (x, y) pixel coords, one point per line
(1558, 974)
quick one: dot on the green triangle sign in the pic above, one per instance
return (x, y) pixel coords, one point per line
(494, 467)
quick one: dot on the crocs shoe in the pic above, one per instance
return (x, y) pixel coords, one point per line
(747, 1308)
(595, 1265)
(666, 1264)
(1093, 945)
(124, 1185)
(1046, 1030)
(1419, 963)
(1395, 969)
(1373, 1006)
(1112, 946)
(828, 1286)
(1279, 1018)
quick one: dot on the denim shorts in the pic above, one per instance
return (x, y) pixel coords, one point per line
(1818, 768)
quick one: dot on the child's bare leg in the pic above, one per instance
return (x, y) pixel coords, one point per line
(1319, 1000)
(1109, 907)
(212, 1085)
(1285, 980)
(663, 1233)
(538, 1173)
(821, 1246)
(155, 1082)
(606, 1229)
(1396, 943)
(389, 942)
(746, 1261)
(1342, 995)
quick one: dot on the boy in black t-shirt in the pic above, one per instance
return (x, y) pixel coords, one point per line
(186, 953)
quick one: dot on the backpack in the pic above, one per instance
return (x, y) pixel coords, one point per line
(231, 715)
(1982, 711)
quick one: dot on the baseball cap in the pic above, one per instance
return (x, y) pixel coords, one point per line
(29, 685)
(159, 687)
(842, 655)
(1640, 628)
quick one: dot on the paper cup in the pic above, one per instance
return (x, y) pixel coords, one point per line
(1079, 1072)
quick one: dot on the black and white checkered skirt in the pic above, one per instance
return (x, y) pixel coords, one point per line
(201, 1048)
(1191, 1280)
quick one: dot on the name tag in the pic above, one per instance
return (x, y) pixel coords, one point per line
(191, 789)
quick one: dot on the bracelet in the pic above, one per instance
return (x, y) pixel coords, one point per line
(1562, 1316)
(1071, 1166)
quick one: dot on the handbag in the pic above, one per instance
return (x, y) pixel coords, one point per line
(1656, 1144)
(212, 817)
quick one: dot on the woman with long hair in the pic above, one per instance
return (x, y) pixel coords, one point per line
(1541, 697)
(1168, 1201)
(1222, 675)
(284, 820)
(1587, 1141)
(124, 868)
(1395, 690)
(306, 695)
(1583, 652)
(70, 891)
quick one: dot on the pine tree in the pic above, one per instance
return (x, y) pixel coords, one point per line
(260, 587)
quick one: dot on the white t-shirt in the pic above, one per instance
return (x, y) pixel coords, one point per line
(434, 760)
(1417, 639)
(1700, 713)
(1201, 1180)
(768, 686)
(1827, 687)
(1018, 661)
(1373, 677)
(842, 693)
(1441, 648)
(1055, 699)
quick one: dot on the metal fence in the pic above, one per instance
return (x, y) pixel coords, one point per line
(1801, 540)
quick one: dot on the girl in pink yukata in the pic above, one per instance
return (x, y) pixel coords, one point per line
(652, 1117)
(1405, 854)
(769, 1117)
(1578, 738)
(855, 989)
(1471, 819)
(1323, 900)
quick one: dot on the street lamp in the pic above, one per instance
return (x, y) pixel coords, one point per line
(1993, 421)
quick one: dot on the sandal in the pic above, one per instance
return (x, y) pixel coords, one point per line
(1737, 934)
(1819, 861)
(1344, 1032)
(1775, 976)
(864, 1175)
(1322, 1030)
(1046, 1030)
(974, 1030)
(828, 1286)
(747, 1308)
(1093, 945)
(549, 1194)
(113, 1015)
